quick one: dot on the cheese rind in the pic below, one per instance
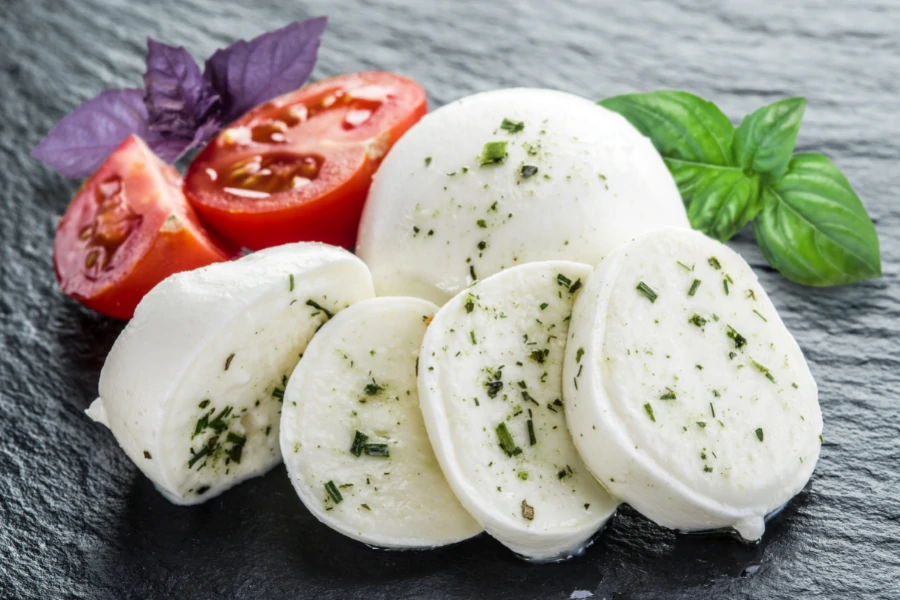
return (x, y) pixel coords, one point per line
(352, 434)
(490, 391)
(192, 387)
(687, 396)
(576, 180)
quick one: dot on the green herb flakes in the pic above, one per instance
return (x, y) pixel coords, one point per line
(377, 450)
(647, 291)
(759, 434)
(334, 492)
(512, 126)
(649, 410)
(697, 320)
(493, 153)
(739, 340)
(694, 287)
(359, 441)
(506, 440)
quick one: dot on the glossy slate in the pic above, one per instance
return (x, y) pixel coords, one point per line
(76, 518)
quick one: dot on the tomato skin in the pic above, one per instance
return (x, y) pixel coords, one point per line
(165, 236)
(327, 207)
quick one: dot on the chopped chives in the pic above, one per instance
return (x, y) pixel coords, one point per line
(578, 354)
(358, 441)
(376, 450)
(684, 266)
(649, 410)
(563, 280)
(334, 492)
(532, 440)
(697, 320)
(506, 440)
(759, 434)
(427, 161)
(317, 306)
(725, 285)
(739, 340)
(669, 395)
(764, 370)
(470, 304)
(712, 409)
(714, 262)
(647, 291)
(760, 316)
(291, 282)
(512, 126)
(575, 287)
(203, 452)
(227, 364)
(701, 424)
(472, 336)
(493, 152)
(694, 287)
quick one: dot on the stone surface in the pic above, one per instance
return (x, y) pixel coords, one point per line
(78, 521)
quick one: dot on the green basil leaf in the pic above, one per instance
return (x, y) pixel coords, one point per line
(682, 126)
(692, 134)
(766, 137)
(724, 200)
(813, 227)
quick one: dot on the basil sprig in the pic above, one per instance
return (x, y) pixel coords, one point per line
(808, 221)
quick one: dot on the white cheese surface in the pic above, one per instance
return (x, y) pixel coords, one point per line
(351, 399)
(492, 358)
(436, 219)
(697, 408)
(192, 387)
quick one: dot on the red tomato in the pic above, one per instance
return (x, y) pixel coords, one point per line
(128, 228)
(298, 167)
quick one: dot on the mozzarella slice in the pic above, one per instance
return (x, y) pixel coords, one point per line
(577, 180)
(685, 393)
(352, 434)
(192, 388)
(490, 390)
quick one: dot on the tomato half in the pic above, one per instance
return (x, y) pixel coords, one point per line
(128, 228)
(298, 167)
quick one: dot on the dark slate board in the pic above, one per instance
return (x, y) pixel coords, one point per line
(77, 520)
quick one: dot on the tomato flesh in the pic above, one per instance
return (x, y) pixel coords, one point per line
(298, 167)
(128, 228)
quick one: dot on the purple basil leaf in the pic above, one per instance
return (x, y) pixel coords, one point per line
(179, 101)
(248, 73)
(80, 143)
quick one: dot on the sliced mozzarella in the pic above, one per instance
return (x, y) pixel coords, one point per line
(489, 384)
(686, 394)
(192, 388)
(577, 181)
(352, 434)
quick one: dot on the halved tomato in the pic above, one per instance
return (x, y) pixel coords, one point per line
(128, 228)
(298, 167)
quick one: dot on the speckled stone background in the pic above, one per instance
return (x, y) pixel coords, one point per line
(77, 520)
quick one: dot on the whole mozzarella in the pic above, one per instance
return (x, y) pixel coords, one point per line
(352, 434)
(436, 219)
(685, 393)
(192, 388)
(490, 390)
